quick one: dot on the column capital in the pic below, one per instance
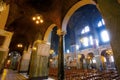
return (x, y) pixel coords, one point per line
(60, 32)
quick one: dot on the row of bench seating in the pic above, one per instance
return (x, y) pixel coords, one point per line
(92, 74)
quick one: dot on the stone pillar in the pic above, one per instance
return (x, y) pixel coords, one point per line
(75, 53)
(3, 56)
(80, 59)
(39, 61)
(98, 62)
(24, 65)
(81, 64)
(61, 55)
(25, 60)
(110, 10)
(5, 38)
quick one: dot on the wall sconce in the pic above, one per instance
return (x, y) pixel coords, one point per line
(19, 45)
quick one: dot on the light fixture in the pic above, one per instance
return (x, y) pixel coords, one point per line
(33, 18)
(20, 45)
(41, 21)
(38, 19)
(51, 60)
(34, 48)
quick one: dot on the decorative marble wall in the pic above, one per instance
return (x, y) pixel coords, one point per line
(25, 62)
(39, 61)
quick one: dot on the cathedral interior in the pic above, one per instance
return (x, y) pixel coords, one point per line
(60, 39)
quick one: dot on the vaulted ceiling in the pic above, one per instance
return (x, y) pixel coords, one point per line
(20, 18)
(22, 11)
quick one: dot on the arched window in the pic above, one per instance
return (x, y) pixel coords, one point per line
(91, 40)
(101, 23)
(104, 36)
(85, 41)
(85, 30)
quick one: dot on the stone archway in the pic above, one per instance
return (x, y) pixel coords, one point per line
(89, 60)
(72, 10)
(13, 60)
(107, 59)
(47, 33)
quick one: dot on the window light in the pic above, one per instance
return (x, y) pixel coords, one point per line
(68, 51)
(85, 41)
(99, 24)
(83, 31)
(91, 40)
(87, 29)
(105, 36)
(103, 22)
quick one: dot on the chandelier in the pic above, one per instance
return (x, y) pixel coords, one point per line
(38, 19)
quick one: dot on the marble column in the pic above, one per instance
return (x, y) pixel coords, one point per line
(5, 38)
(3, 56)
(39, 61)
(24, 65)
(81, 64)
(98, 62)
(61, 55)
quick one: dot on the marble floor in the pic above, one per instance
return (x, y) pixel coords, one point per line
(14, 75)
(11, 75)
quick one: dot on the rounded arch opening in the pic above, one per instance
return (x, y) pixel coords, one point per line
(72, 10)
(13, 60)
(47, 33)
(95, 40)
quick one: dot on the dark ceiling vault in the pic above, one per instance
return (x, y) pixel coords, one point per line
(21, 13)
(20, 19)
